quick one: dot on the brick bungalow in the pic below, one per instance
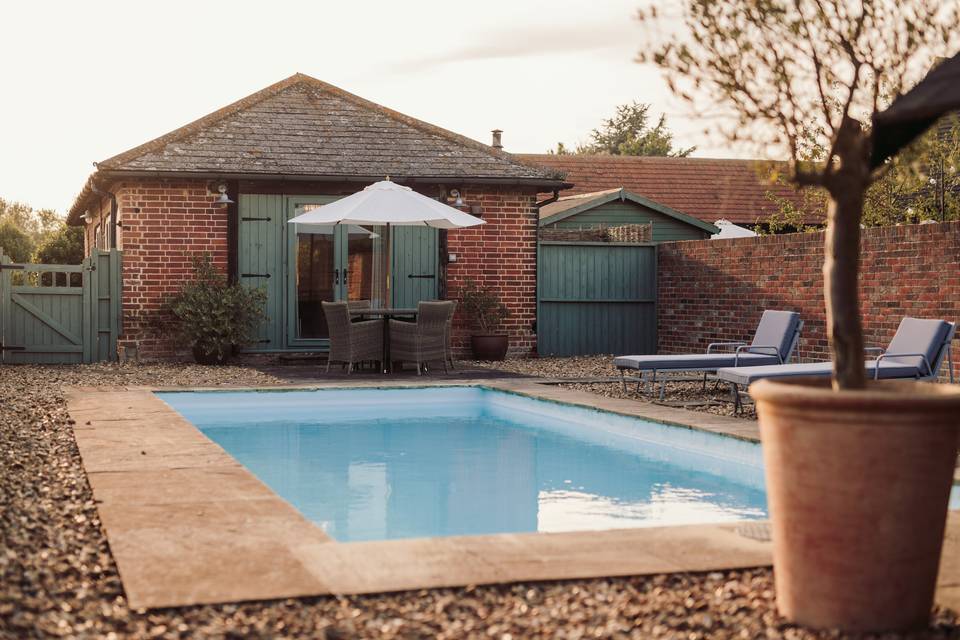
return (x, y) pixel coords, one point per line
(706, 188)
(292, 146)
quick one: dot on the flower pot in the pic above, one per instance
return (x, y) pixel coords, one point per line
(857, 488)
(493, 347)
(202, 357)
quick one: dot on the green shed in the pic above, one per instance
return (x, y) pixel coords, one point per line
(619, 207)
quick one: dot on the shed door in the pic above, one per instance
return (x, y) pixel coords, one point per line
(415, 265)
(596, 298)
(260, 261)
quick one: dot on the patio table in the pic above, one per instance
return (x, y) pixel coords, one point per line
(386, 313)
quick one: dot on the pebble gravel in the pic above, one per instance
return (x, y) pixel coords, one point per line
(58, 579)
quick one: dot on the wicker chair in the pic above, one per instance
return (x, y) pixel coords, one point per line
(426, 339)
(351, 342)
(448, 339)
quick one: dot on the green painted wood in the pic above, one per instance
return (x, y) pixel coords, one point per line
(612, 214)
(261, 253)
(56, 323)
(596, 299)
(415, 253)
(4, 306)
(45, 316)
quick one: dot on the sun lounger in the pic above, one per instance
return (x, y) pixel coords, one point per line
(917, 351)
(773, 343)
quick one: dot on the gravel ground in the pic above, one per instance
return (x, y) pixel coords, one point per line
(59, 579)
(689, 395)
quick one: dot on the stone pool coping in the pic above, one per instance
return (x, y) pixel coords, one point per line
(187, 524)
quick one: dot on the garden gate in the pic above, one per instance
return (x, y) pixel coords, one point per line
(596, 298)
(51, 313)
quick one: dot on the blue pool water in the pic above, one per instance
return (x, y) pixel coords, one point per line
(376, 464)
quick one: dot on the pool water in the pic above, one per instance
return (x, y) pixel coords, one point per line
(377, 464)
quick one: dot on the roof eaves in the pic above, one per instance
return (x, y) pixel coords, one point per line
(598, 198)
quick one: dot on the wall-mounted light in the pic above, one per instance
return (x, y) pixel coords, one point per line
(87, 217)
(224, 198)
(458, 199)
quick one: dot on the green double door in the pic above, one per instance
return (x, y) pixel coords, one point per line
(299, 267)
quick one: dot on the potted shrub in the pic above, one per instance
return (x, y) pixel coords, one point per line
(213, 316)
(858, 472)
(485, 312)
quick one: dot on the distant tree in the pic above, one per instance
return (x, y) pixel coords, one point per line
(16, 244)
(36, 223)
(62, 247)
(781, 67)
(628, 133)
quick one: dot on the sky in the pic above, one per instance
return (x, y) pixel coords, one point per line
(83, 81)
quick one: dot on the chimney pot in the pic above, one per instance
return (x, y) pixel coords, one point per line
(497, 144)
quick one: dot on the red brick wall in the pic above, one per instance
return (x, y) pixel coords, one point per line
(715, 290)
(501, 254)
(165, 223)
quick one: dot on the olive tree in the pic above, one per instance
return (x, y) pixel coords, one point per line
(784, 68)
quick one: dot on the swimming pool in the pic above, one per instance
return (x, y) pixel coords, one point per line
(377, 464)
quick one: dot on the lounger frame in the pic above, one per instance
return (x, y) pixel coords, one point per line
(740, 347)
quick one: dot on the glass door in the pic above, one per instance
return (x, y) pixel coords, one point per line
(364, 273)
(314, 267)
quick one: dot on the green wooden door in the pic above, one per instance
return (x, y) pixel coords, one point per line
(260, 262)
(300, 268)
(415, 265)
(596, 298)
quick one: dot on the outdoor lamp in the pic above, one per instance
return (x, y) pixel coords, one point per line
(224, 198)
(458, 199)
(87, 217)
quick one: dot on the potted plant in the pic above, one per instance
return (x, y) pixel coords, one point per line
(485, 312)
(858, 472)
(213, 316)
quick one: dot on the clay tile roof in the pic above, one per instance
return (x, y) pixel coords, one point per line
(708, 189)
(302, 126)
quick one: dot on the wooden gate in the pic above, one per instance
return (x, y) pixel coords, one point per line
(596, 298)
(60, 314)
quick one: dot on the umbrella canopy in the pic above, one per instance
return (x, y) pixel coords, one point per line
(388, 203)
(912, 113)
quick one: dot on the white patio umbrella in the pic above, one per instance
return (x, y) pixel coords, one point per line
(388, 204)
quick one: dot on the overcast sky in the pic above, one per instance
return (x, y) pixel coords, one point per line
(82, 81)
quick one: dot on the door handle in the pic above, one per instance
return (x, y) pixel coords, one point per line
(336, 276)
(424, 276)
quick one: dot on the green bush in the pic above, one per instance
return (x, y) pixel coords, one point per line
(64, 246)
(213, 316)
(482, 306)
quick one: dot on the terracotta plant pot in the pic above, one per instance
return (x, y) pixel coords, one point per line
(489, 347)
(857, 486)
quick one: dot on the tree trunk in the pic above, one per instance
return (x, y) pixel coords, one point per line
(841, 265)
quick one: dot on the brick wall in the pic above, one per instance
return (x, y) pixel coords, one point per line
(501, 254)
(715, 290)
(164, 224)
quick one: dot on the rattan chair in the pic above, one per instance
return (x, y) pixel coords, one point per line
(351, 342)
(448, 339)
(426, 339)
